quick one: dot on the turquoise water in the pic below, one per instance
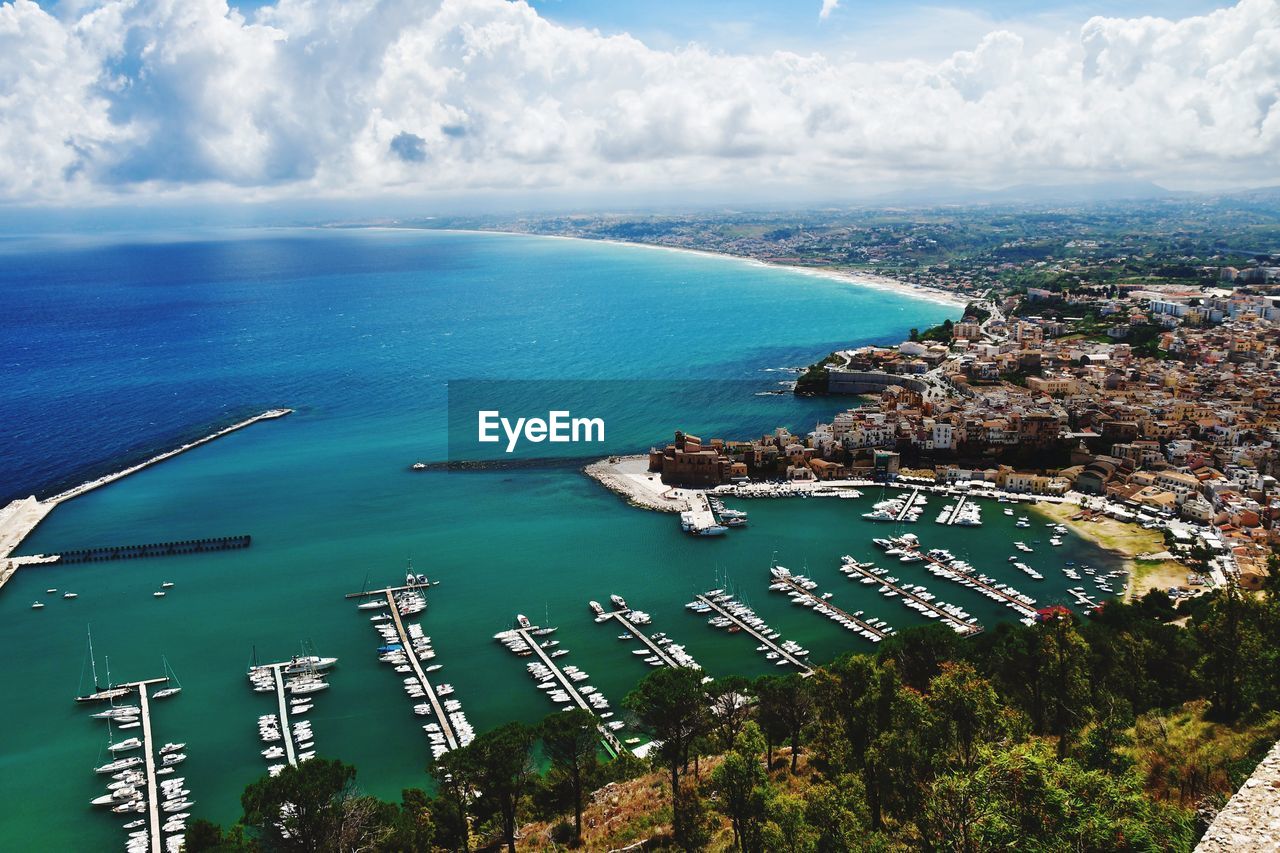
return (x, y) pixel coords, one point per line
(125, 347)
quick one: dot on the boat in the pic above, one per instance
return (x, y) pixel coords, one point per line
(618, 601)
(118, 765)
(126, 745)
(100, 693)
(37, 605)
(523, 621)
(167, 585)
(51, 590)
(70, 595)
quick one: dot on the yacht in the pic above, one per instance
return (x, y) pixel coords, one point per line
(69, 595)
(158, 593)
(166, 692)
(37, 605)
(167, 585)
(618, 601)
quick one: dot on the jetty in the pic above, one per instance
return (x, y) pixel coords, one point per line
(908, 504)
(20, 517)
(437, 707)
(149, 759)
(955, 511)
(715, 602)
(286, 729)
(1003, 593)
(912, 600)
(524, 638)
(792, 586)
(622, 615)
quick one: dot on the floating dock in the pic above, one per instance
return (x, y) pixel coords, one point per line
(857, 625)
(623, 617)
(854, 570)
(772, 646)
(20, 517)
(286, 727)
(149, 757)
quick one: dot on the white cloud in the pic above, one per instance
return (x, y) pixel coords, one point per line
(363, 97)
(828, 6)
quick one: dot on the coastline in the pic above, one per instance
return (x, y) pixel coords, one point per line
(870, 280)
(1123, 539)
(629, 478)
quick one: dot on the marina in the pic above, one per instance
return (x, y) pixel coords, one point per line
(914, 597)
(523, 641)
(737, 616)
(301, 678)
(156, 832)
(801, 590)
(942, 565)
(449, 728)
(665, 652)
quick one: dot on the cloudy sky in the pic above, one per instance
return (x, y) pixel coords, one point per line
(139, 100)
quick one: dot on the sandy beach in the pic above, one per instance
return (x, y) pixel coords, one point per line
(861, 279)
(1129, 541)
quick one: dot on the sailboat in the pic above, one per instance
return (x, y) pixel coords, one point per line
(170, 675)
(100, 693)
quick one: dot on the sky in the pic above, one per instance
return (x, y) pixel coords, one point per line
(155, 101)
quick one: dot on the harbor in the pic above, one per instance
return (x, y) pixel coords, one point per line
(736, 616)
(294, 683)
(942, 564)
(20, 517)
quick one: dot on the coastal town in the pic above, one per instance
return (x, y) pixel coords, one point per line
(1135, 406)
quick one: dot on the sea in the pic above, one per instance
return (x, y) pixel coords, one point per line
(114, 347)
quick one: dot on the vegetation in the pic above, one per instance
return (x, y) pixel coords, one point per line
(1105, 735)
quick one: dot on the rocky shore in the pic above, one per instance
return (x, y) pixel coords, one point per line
(629, 477)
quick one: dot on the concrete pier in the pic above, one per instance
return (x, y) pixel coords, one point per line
(566, 684)
(21, 517)
(149, 760)
(955, 513)
(437, 707)
(286, 731)
(818, 600)
(622, 618)
(805, 669)
(909, 504)
(1003, 595)
(852, 570)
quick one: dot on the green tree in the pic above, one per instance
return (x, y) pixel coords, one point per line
(569, 740)
(499, 765)
(770, 715)
(671, 705)
(730, 709)
(742, 786)
(1065, 674)
(964, 713)
(1229, 649)
(311, 807)
(786, 828)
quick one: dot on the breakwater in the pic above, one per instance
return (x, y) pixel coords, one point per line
(155, 549)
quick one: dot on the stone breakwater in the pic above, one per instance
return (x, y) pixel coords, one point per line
(629, 477)
(1250, 821)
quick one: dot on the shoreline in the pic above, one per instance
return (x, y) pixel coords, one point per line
(873, 281)
(1123, 539)
(628, 477)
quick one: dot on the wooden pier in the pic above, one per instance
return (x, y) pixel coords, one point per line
(611, 741)
(437, 707)
(966, 628)
(805, 669)
(818, 600)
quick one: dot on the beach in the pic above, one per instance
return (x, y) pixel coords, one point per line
(1126, 540)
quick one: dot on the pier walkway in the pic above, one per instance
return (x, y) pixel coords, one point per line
(955, 513)
(699, 514)
(908, 505)
(859, 625)
(286, 728)
(805, 669)
(22, 516)
(566, 684)
(437, 707)
(1002, 595)
(620, 614)
(149, 758)
(966, 628)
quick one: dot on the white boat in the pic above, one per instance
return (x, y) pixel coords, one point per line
(167, 585)
(70, 595)
(166, 693)
(126, 745)
(37, 605)
(618, 601)
(118, 765)
(158, 593)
